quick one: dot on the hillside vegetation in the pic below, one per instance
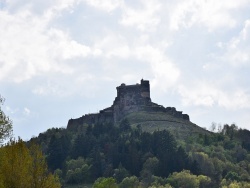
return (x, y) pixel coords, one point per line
(139, 153)
(152, 121)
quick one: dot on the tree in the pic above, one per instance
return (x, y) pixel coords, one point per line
(120, 173)
(230, 130)
(105, 183)
(149, 168)
(39, 170)
(213, 126)
(57, 151)
(188, 180)
(130, 182)
(24, 167)
(165, 151)
(77, 171)
(5, 124)
(234, 184)
(159, 182)
(205, 163)
(232, 176)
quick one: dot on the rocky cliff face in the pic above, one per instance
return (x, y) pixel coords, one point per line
(130, 98)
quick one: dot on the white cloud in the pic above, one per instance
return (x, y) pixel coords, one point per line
(237, 50)
(236, 100)
(113, 46)
(152, 61)
(209, 95)
(50, 89)
(212, 14)
(40, 7)
(26, 111)
(165, 73)
(30, 46)
(145, 19)
(107, 5)
(246, 31)
(198, 94)
(66, 86)
(64, 47)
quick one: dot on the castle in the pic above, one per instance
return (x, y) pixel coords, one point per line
(129, 99)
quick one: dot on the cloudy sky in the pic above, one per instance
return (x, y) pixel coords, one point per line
(61, 59)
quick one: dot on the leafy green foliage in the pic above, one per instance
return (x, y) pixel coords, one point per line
(130, 182)
(150, 167)
(120, 173)
(78, 171)
(24, 167)
(188, 180)
(105, 183)
(5, 124)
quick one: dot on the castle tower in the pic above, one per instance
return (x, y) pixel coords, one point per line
(131, 98)
(145, 89)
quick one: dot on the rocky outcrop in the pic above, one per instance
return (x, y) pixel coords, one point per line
(130, 98)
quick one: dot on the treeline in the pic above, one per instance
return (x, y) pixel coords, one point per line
(104, 150)
(104, 153)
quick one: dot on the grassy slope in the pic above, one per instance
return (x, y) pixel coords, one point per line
(151, 121)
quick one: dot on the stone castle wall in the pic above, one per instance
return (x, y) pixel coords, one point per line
(130, 98)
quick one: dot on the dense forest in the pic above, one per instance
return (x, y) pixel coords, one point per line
(122, 156)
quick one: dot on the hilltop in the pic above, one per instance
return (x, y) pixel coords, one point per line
(133, 102)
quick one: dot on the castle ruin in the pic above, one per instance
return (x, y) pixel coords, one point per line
(129, 99)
